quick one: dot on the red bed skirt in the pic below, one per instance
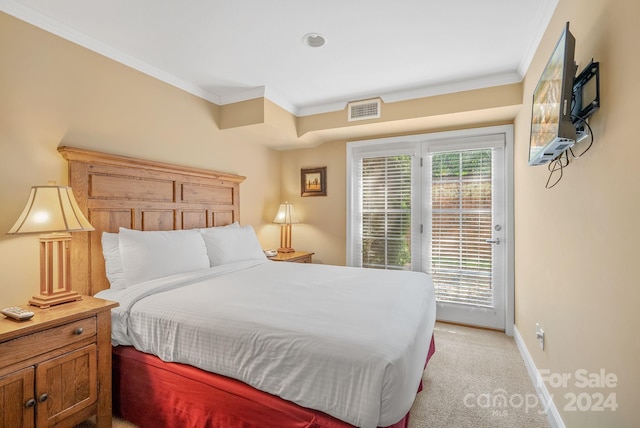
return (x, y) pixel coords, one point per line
(151, 393)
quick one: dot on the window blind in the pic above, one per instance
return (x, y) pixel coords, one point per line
(386, 212)
(462, 210)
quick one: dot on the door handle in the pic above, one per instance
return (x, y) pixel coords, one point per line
(493, 241)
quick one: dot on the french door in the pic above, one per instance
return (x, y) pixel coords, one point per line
(464, 247)
(438, 203)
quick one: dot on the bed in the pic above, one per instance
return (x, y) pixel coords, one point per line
(210, 333)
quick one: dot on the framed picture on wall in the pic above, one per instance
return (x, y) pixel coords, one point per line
(313, 181)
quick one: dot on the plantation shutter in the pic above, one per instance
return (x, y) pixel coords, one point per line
(461, 224)
(386, 192)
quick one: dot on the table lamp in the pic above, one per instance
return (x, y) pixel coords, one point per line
(286, 216)
(53, 211)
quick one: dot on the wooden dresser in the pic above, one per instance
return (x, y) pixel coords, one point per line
(55, 369)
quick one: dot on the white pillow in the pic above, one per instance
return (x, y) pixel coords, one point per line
(232, 244)
(234, 224)
(155, 254)
(112, 260)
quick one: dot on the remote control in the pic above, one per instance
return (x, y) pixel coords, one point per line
(17, 313)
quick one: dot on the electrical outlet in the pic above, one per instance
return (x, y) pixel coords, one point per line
(540, 335)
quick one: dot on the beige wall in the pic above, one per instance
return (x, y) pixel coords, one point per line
(323, 227)
(576, 244)
(53, 93)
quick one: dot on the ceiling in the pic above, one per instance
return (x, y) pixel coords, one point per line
(233, 50)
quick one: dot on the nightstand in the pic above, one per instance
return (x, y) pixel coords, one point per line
(56, 367)
(295, 257)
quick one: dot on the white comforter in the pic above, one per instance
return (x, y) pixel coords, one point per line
(346, 341)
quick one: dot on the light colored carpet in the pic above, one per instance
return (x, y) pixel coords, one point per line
(476, 379)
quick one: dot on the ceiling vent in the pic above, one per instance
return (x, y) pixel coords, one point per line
(363, 110)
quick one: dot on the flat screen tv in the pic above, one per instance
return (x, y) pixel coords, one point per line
(552, 129)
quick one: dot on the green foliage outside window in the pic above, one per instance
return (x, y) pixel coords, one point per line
(386, 212)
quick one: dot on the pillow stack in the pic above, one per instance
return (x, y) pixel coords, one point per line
(133, 256)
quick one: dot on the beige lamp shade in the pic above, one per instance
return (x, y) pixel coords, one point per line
(51, 209)
(285, 217)
(286, 214)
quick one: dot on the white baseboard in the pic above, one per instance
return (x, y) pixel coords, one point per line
(555, 421)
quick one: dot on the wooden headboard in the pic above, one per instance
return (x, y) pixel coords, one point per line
(118, 191)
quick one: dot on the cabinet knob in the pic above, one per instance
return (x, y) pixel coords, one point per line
(43, 398)
(30, 403)
(78, 331)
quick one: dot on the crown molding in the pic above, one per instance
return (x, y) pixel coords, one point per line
(497, 79)
(53, 26)
(543, 17)
(46, 23)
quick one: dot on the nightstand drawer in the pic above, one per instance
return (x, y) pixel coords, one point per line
(45, 341)
(62, 358)
(303, 259)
